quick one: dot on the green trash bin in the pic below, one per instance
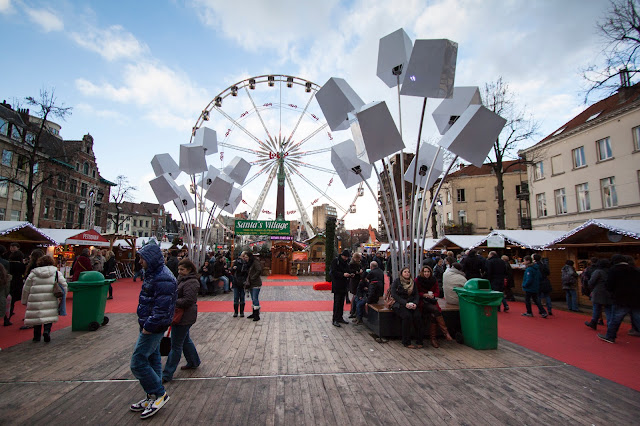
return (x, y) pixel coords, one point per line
(89, 301)
(479, 313)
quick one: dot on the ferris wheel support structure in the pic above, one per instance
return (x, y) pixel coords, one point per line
(303, 213)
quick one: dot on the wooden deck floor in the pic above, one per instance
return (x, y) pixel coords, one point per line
(294, 368)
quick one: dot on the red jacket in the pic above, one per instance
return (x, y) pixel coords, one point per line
(424, 286)
(83, 263)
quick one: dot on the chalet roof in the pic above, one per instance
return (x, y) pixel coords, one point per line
(625, 227)
(624, 98)
(486, 169)
(536, 239)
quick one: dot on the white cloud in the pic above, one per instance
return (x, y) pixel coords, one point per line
(5, 6)
(112, 43)
(90, 110)
(46, 19)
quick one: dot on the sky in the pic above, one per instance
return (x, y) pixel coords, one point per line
(139, 73)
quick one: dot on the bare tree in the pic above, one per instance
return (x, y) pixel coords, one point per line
(620, 33)
(520, 127)
(38, 145)
(118, 202)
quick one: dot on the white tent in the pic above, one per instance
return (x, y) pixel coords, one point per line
(537, 239)
(87, 237)
(626, 227)
(22, 231)
(462, 241)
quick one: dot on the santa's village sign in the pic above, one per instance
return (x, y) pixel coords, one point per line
(262, 227)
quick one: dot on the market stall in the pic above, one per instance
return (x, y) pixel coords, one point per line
(70, 242)
(24, 233)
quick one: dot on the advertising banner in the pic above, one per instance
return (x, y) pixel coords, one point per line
(262, 227)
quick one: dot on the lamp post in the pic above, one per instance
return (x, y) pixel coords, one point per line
(81, 206)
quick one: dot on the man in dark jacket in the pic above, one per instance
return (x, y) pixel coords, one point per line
(473, 265)
(340, 276)
(496, 274)
(16, 269)
(172, 262)
(531, 287)
(376, 279)
(156, 306)
(623, 281)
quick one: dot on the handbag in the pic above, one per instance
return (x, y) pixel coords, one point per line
(165, 343)
(389, 301)
(177, 315)
(57, 289)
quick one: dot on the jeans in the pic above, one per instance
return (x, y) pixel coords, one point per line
(527, 301)
(597, 311)
(617, 315)
(255, 292)
(338, 305)
(139, 273)
(410, 316)
(238, 295)
(180, 342)
(504, 303)
(547, 298)
(146, 364)
(38, 328)
(572, 299)
(203, 284)
(360, 304)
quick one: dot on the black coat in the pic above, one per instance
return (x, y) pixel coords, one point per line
(339, 283)
(172, 264)
(496, 273)
(355, 269)
(545, 283)
(623, 282)
(401, 296)
(473, 266)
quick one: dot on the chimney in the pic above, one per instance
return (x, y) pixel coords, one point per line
(625, 80)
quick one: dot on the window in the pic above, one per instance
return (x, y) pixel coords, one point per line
(538, 171)
(604, 149)
(3, 212)
(449, 217)
(159, 222)
(561, 201)
(62, 182)
(47, 206)
(462, 217)
(541, 205)
(154, 221)
(71, 209)
(461, 197)
(93, 173)
(77, 167)
(448, 197)
(99, 218)
(30, 138)
(15, 215)
(609, 195)
(161, 212)
(556, 165)
(4, 127)
(22, 162)
(57, 211)
(578, 158)
(146, 234)
(4, 188)
(139, 233)
(135, 222)
(83, 189)
(73, 186)
(85, 168)
(126, 228)
(17, 192)
(636, 138)
(7, 157)
(15, 135)
(36, 167)
(582, 196)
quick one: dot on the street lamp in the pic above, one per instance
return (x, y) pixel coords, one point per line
(81, 206)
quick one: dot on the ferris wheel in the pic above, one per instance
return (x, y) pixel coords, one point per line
(272, 122)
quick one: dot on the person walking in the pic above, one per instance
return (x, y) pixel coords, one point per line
(137, 268)
(81, 264)
(531, 287)
(186, 302)
(569, 283)
(239, 271)
(510, 284)
(5, 286)
(405, 294)
(496, 274)
(340, 276)
(109, 270)
(38, 294)
(356, 269)
(622, 282)
(156, 305)
(545, 283)
(16, 270)
(473, 265)
(600, 296)
(254, 283)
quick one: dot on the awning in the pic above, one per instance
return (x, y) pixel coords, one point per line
(23, 232)
(81, 237)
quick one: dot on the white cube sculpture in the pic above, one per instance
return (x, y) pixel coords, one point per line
(164, 163)
(394, 51)
(234, 201)
(344, 159)
(238, 169)
(425, 158)
(164, 188)
(208, 178)
(375, 133)
(337, 99)
(192, 159)
(208, 139)
(431, 70)
(185, 200)
(473, 134)
(450, 110)
(220, 190)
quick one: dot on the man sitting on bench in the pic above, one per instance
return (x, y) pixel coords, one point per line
(370, 290)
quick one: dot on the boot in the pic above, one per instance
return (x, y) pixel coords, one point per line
(433, 329)
(7, 322)
(252, 315)
(256, 313)
(242, 310)
(235, 310)
(443, 327)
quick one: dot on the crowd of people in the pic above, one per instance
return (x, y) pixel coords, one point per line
(359, 279)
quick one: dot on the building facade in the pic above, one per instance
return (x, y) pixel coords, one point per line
(590, 166)
(140, 220)
(320, 215)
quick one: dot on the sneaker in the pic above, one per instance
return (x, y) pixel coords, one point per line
(605, 338)
(590, 324)
(600, 322)
(544, 315)
(634, 333)
(155, 404)
(141, 405)
(550, 313)
(506, 309)
(527, 315)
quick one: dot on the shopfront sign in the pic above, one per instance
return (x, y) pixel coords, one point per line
(262, 227)
(495, 241)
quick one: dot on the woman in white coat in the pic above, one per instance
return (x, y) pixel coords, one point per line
(38, 295)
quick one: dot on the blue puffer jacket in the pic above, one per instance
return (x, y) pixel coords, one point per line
(159, 292)
(531, 280)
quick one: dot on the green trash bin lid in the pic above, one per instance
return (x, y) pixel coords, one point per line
(89, 279)
(478, 291)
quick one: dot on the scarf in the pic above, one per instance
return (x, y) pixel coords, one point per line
(407, 284)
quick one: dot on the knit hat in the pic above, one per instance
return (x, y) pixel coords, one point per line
(345, 253)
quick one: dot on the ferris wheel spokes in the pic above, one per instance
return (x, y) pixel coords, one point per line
(299, 163)
(303, 212)
(259, 115)
(314, 186)
(241, 148)
(256, 175)
(288, 142)
(241, 127)
(257, 208)
(296, 147)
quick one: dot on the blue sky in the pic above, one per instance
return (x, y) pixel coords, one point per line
(138, 73)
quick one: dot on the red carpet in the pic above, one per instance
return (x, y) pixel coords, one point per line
(287, 283)
(275, 277)
(564, 337)
(272, 306)
(322, 286)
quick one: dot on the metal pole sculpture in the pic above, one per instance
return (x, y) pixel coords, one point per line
(423, 69)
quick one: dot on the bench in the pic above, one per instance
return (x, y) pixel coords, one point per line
(384, 322)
